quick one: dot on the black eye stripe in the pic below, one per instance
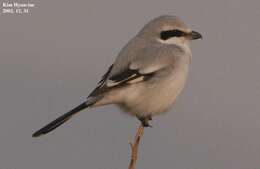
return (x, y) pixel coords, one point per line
(171, 33)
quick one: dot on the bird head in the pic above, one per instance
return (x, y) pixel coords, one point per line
(168, 29)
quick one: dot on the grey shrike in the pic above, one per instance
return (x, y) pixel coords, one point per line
(147, 75)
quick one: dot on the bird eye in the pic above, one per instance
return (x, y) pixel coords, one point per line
(171, 33)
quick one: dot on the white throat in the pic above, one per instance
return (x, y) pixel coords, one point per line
(173, 41)
(184, 44)
(176, 41)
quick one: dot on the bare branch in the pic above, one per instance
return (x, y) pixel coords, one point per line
(134, 147)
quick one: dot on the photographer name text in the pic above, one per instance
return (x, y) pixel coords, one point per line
(16, 8)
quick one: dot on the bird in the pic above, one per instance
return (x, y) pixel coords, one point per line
(147, 76)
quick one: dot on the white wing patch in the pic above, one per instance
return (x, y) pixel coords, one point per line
(139, 79)
(150, 69)
(111, 83)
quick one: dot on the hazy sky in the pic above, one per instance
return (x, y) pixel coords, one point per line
(51, 59)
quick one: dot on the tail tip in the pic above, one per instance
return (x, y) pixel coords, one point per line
(37, 134)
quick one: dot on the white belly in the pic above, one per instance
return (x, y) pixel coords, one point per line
(152, 99)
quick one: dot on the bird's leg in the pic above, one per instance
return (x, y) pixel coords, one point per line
(150, 117)
(145, 120)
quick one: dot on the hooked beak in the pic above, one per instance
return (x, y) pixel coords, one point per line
(194, 35)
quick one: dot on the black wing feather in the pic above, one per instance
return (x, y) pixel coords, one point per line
(105, 76)
(121, 79)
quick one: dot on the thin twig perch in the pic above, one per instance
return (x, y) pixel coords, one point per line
(134, 147)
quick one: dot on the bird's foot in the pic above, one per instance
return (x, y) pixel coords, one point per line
(145, 121)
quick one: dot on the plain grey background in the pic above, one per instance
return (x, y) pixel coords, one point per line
(51, 59)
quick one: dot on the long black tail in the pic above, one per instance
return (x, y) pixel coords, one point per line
(62, 119)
